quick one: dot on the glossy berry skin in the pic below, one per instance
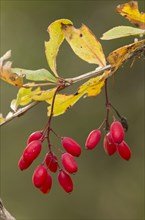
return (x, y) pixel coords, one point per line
(46, 187)
(22, 164)
(34, 136)
(69, 163)
(117, 132)
(39, 176)
(65, 181)
(51, 162)
(32, 151)
(71, 146)
(124, 150)
(109, 146)
(93, 139)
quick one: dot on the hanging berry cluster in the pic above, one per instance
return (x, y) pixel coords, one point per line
(41, 178)
(113, 141)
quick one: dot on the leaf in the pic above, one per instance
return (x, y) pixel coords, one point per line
(117, 57)
(64, 102)
(6, 73)
(84, 44)
(35, 75)
(130, 11)
(56, 39)
(24, 97)
(121, 31)
(1, 118)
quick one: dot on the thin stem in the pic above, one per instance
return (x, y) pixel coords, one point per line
(107, 106)
(48, 126)
(30, 85)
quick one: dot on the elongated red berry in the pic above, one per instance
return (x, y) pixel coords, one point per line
(124, 150)
(46, 187)
(65, 181)
(71, 146)
(32, 151)
(22, 164)
(39, 176)
(93, 139)
(69, 163)
(109, 145)
(51, 162)
(34, 136)
(117, 132)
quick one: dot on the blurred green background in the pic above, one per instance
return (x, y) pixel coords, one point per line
(105, 187)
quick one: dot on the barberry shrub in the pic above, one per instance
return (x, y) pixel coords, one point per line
(36, 89)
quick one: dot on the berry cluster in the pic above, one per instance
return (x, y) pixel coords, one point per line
(41, 178)
(113, 141)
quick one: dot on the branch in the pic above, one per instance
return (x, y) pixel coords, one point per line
(4, 214)
(18, 113)
(90, 74)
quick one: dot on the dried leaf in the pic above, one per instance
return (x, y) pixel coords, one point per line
(117, 57)
(6, 73)
(56, 39)
(84, 44)
(130, 11)
(121, 31)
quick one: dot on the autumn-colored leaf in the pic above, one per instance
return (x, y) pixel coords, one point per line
(117, 57)
(6, 73)
(1, 118)
(56, 39)
(35, 75)
(121, 31)
(24, 97)
(63, 102)
(130, 11)
(84, 44)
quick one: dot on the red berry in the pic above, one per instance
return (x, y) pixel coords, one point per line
(34, 136)
(39, 176)
(32, 151)
(124, 150)
(65, 181)
(117, 132)
(69, 163)
(93, 139)
(47, 184)
(51, 162)
(71, 146)
(24, 164)
(109, 145)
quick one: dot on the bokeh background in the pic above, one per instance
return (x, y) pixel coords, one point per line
(105, 187)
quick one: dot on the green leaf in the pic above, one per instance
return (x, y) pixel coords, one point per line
(84, 44)
(56, 39)
(122, 31)
(35, 75)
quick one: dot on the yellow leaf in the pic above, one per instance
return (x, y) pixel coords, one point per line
(84, 44)
(64, 102)
(1, 118)
(121, 31)
(117, 57)
(56, 39)
(6, 73)
(130, 11)
(24, 97)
